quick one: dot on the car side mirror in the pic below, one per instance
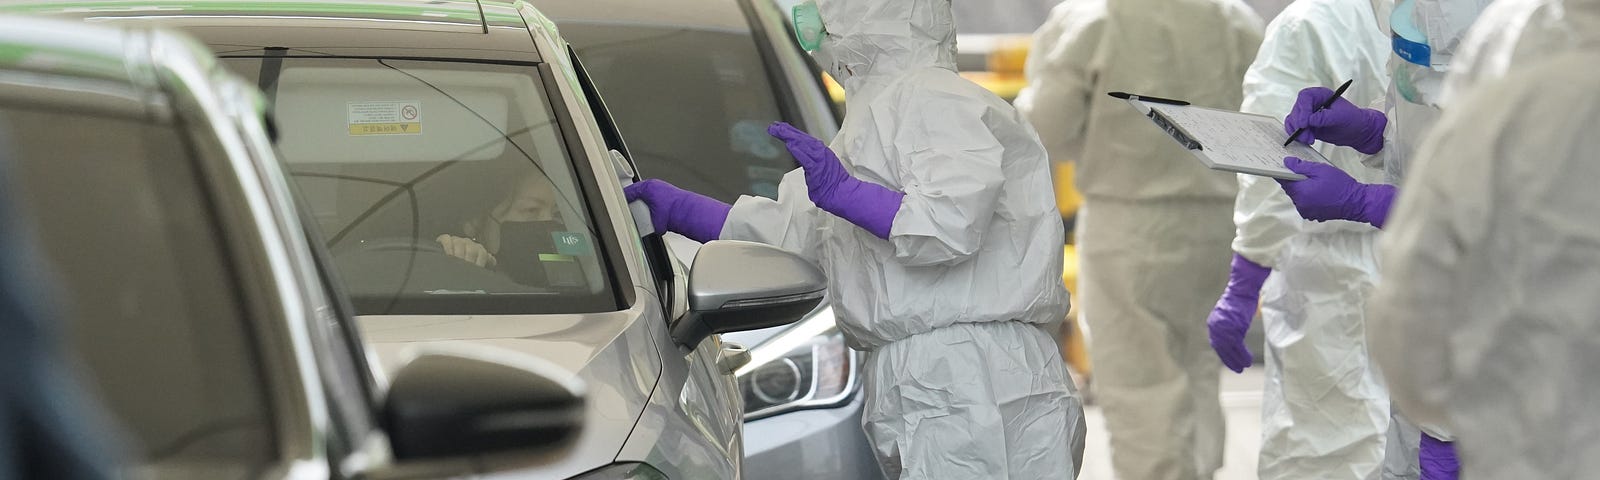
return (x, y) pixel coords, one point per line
(448, 402)
(736, 286)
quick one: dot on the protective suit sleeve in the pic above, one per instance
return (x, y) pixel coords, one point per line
(952, 180)
(1060, 71)
(1425, 256)
(791, 222)
(1288, 61)
(1264, 220)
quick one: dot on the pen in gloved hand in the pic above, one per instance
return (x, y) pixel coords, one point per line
(1325, 104)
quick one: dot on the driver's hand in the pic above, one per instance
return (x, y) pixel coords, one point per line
(466, 249)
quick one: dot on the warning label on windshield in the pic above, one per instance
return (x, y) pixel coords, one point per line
(385, 118)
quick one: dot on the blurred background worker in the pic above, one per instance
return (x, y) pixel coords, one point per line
(1425, 37)
(1153, 231)
(935, 221)
(1320, 273)
(1486, 321)
(48, 428)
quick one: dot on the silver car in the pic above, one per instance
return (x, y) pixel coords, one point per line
(466, 179)
(195, 300)
(693, 85)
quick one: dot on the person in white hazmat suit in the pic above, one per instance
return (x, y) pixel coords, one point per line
(934, 217)
(1486, 321)
(1426, 34)
(1320, 273)
(1153, 232)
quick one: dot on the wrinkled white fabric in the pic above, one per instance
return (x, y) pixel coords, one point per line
(934, 415)
(1500, 154)
(1487, 317)
(1154, 230)
(977, 240)
(1521, 31)
(1325, 411)
(1157, 268)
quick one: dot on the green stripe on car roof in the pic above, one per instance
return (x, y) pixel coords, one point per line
(462, 11)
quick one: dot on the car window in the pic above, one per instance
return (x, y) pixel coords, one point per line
(152, 310)
(709, 135)
(439, 187)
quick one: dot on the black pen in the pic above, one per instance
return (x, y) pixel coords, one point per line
(1325, 104)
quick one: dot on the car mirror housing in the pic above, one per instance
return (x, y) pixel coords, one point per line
(447, 403)
(736, 286)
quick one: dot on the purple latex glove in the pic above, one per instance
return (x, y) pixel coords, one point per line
(1232, 315)
(1438, 459)
(677, 210)
(866, 204)
(1342, 123)
(1328, 193)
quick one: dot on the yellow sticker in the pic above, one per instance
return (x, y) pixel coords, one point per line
(385, 117)
(386, 129)
(550, 257)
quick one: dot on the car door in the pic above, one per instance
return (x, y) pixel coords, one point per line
(710, 393)
(169, 309)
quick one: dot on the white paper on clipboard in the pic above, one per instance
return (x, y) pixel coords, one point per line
(1229, 141)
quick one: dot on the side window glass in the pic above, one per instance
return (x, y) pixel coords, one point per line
(144, 278)
(608, 126)
(441, 187)
(655, 250)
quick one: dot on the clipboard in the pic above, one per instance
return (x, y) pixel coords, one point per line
(1225, 140)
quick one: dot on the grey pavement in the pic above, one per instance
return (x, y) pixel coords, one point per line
(1241, 403)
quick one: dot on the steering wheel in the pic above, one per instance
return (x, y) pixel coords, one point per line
(394, 244)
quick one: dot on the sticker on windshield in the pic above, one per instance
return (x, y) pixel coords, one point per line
(385, 118)
(572, 243)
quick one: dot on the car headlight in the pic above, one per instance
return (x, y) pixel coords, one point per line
(806, 366)
(624, 471)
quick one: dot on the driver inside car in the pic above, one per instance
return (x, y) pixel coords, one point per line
(511, 235)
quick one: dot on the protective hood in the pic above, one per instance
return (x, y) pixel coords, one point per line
(879, 40)
(1382, 9)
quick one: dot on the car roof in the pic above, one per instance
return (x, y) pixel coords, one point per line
(67, 49)
(693, 14)
(67, 65)
(464, 29)
(425, 12)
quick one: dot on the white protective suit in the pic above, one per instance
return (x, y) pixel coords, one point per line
(1486, 321)
(963, 380)
(1154, 230)
(1326, 412)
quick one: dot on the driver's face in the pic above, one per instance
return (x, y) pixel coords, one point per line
(534, 199)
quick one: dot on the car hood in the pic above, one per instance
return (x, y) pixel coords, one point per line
(606, 350)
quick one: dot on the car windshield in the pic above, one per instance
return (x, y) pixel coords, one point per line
(439, 187)
(153, 312)
(709, 135)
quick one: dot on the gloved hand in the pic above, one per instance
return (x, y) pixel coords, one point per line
(1328, 193)
(1231, 317)
(677, 210)
(1438, 459)
(868, 205)
(1342, 123)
